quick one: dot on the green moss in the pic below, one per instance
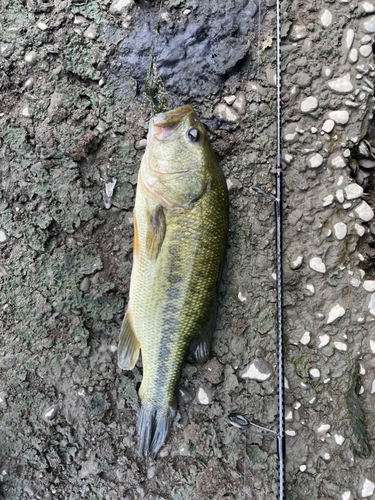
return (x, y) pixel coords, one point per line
(77, 58)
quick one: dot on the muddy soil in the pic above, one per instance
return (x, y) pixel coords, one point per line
(72, 117)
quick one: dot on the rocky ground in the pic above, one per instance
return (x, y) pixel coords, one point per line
(72, 117)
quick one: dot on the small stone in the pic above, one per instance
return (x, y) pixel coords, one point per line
(373, 387)
(42, 26)
(317, 265)
(225, 113)
(183, 450)
(141, 144)
(368, 25)
(353, 56)
(298, 32)
(29, 84)
(302, 468)
(240, 103)
(290, 433)
(366, 40)
(309, 104)
(326, 18)
(348, 39)
(336, 312)
(360, 229)
(340, 195)
(27, 112)
(4, 272)
(367, 488)
(339, 439)
(305, 339)
(336, 161)
(314, 130)
(328, 126)
(242, 296)
(230, 99)
(372, 346)
(204, 395)
(355, 282)
(340, 117)
(271, 76)
(324, 340)
(369, 285)
(366, 7)
(315, 160)
(328, 200)
(296, 262)
(78, 20)
(310, 288)
(326, 456)
(257, 370)
(340, 230)
(31, 58)
(85, 285)
(50, 413)
(6, 49)
(90, 32)
(365, 50)
(326, 72)
(346, 495)
(353, 191)
(186, 12)
(121, 6)
(364, 212)
(314, 373)
(341, 85)
(3, 236)
(340, 346)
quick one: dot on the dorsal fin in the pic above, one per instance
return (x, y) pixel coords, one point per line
(156, 228)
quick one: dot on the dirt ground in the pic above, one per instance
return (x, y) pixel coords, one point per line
(72, 116)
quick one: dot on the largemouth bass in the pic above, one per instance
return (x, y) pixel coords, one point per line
(180, 232)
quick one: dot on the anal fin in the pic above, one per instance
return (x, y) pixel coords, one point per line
(156, 228)
(128, 345)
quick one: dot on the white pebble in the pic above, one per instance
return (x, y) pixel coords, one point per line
(346, 495)
(305, 339)
(317, 265)
(326, 456)
(290, 433)
(369, 285)
(341, 85)
(336, 312)
(322, 429)
(339, 439)
(257, 370)
(336, 160)
(230, 99)
(326, 18)
(297, 262)
(309, 104)
(314, 373)
(373, 387)
(42, 26)
(315, 160)
(203, 396)
(314, 130)
(341, 116)
(368, 25)
(353, 191)
(355, 282)
(3, 236)
(302, 468)
(340, 346)
(310, 288)
(353, 56)
(372, 346)
(328, 126)
(348, 40)
(364, 212)
(340, 195)
(324, 340)
(225, 113)
(340, 230)
(360, 229)
(289, 416)
(365, 50)
(367, 489)
(328, 200)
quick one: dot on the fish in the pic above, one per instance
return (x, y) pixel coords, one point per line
(180, 234)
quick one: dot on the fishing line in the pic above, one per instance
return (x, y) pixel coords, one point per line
(234, 418)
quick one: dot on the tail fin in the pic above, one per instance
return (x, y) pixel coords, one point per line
(154, 425)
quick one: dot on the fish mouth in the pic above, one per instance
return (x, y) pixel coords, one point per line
(168, 126)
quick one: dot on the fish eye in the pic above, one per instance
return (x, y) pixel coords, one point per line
(193, 135)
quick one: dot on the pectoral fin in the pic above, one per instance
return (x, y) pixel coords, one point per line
(156, 228)
(128, 346)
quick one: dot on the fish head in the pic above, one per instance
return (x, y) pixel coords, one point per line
(178, 158)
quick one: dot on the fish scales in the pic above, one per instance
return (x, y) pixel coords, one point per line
(181, 223)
